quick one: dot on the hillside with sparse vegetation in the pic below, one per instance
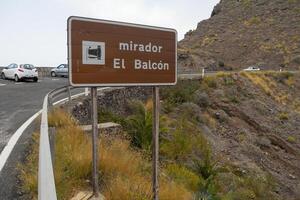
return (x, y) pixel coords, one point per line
(242, 33)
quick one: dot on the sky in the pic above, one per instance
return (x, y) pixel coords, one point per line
(35, 31)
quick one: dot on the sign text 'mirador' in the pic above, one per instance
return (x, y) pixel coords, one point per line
(131, 46)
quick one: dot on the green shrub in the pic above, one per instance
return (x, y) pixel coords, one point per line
(205, 167)
(255, 187)
(179, 147)
(291, 139)
(283, 116)
(183, 175)
(221, 64)
(201, 98)
(210, 82)
(246, 3)
(167, 106)
(281, 77)
(139, 125)
(253, 21)
(184, 142)
(190, 111)
(180, 93)
(233, 99)
(109, 116)
(228, 81)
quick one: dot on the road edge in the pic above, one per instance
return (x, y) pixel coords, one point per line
(14, 139)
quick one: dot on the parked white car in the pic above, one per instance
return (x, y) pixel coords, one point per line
(20, 72)
(252, 68)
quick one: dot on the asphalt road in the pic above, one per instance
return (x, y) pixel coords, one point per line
(19, 101)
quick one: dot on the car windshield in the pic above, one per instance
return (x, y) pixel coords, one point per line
(27, 66)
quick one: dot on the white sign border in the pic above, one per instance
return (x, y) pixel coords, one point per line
(69, 22)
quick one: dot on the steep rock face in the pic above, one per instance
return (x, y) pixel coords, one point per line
(241, 33)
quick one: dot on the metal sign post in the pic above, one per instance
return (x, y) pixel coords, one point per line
(95, 141)
(155, 142)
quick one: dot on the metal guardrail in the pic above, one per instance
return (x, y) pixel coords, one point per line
(46, 182)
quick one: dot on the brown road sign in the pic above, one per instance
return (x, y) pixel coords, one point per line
(108, 53)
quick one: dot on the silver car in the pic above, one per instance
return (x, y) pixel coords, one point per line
(61, 70)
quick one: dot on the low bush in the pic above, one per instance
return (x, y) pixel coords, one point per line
(279, 76)
(291, 139)
(283, 116)
(210, 82)
(253, 21)
(184, 142)
(180, 93)
(109, 116)
(201, 98)
(185, 176)
(139, 125)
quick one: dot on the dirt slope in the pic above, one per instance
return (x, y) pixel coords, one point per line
(241, 33)
(252, 121)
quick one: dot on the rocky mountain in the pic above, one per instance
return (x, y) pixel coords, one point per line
(242, 33)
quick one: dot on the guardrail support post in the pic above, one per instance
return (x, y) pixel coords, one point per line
(70, 98)
(95, 141)
(50, 103)
(52, 144)
(203, 71)
(155, 142)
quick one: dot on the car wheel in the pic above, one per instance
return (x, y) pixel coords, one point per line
(53, 74)
(17, 78)
(3, 76)
(35, 79)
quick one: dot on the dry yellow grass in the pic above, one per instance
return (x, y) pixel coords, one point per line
(124, 172)
(116, 157)
(209, 120)
(268, 85)
(29, 172)
(58, 118)
(290, 81)
(128, 176)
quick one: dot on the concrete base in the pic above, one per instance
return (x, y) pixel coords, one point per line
(86, 195)
(101, 126)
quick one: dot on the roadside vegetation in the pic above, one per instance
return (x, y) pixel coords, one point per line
(268, 82)
(189, 169)
(124, 171)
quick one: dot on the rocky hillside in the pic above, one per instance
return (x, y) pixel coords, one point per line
(227, 136)
(252, 121)
(241, 33)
